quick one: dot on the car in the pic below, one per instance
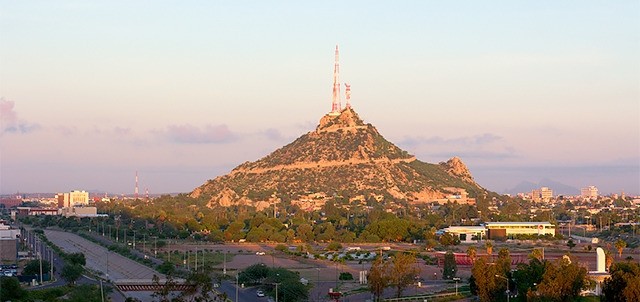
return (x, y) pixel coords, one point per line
(260, 293)
(260, 253)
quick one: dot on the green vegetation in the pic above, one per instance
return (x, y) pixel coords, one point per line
(624, 284)
(11, 291)
(290, 289)
(398, 273)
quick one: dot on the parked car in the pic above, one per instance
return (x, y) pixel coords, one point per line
(260, 293)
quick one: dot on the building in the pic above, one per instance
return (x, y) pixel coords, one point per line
(72, 199)
(502, 230)
(9, 239)
(590, 192)
(28, 211)
(80, 212)
(467, 233)
(543, 194)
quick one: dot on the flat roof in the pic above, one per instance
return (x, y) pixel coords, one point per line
(518, 223)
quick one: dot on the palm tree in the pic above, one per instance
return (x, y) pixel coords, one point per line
(489, 247)
(472, 253)
(620, 245)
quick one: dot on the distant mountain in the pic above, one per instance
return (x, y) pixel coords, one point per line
(557, 187)
(342, 157)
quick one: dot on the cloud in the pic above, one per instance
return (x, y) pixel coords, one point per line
(273, 134)
(499, 155)
(9, 121)
(189, 134)
(481, 139)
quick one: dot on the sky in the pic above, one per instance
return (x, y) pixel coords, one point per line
(184, 91)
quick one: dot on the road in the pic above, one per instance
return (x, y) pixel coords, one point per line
(111, 265)
(244, 294)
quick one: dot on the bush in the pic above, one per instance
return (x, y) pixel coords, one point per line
(334, 246)
(346, 276)
(282, 248)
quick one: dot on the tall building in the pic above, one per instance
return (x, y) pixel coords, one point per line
(72, 199)
(543, 194)
(590, 192)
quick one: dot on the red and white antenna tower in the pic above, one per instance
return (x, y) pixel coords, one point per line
(335, 104)
(136, 191)
(348, 93)
(146, 193)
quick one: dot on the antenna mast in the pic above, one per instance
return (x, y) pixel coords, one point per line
(136, 190)
(335, 104)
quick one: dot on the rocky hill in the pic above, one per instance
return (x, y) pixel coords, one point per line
(343, 157)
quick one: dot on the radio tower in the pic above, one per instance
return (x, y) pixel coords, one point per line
(335, 105)
(136, 191)
(348, 93)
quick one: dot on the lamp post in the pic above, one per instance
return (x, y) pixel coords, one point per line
(507, 291)
(456, 279)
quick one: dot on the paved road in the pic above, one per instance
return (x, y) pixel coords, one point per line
(244, 294)
(100, 259)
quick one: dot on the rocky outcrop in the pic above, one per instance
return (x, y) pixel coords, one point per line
(456, 167)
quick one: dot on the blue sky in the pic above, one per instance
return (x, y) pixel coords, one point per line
(184, 91)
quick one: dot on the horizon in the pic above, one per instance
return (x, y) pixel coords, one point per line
(93, 92)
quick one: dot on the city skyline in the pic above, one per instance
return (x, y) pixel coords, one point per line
(93, 92)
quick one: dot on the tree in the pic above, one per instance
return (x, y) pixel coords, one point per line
(72, 272)
(536, 254)
(10, 289)
(33, 267)
(571, 244)
(483, 282)
(163, 291)
(504, 262)
(403, 271)
(378, 277)
(624, 283)
(563, 280)
(201, 287)
(529, 275)
(620, 245)
(450, 267)
(76, 258)
(489, 246)
(334, 246)
(472, 253)
(447, 239)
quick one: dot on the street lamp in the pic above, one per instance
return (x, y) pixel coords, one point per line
(456, 279)
(507, 291)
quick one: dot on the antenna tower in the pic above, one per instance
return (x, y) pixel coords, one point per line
(335, 104)
(136, 190)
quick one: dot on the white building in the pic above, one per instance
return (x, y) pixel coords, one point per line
(509, 229)
(590, 192)
(72, 199)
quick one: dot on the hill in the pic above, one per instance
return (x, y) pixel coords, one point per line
(345, 158)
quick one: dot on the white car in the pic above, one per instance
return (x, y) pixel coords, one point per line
(260, 253)
(260, 293)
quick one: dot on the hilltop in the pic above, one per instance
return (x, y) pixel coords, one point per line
(345, 158)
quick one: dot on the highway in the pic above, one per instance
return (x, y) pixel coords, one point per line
(111, 265)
